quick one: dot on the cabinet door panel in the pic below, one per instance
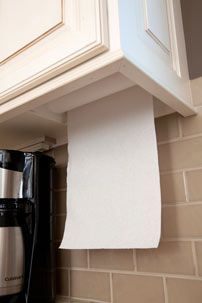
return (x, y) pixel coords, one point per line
(45, 38)
(18, 29)
(156, 22)
(153, 40)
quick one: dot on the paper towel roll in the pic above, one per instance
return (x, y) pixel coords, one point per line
(113, 189)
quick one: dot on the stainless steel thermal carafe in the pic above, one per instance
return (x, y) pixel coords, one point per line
(26, 233)
(12, 254)
(11, 260)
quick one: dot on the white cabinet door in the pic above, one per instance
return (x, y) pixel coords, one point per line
(41, 39)
(153, 40)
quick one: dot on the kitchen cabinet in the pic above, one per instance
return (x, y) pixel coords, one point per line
(60, 54)
(42, 39)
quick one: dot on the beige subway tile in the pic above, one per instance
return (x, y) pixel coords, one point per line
(62, 288)
(170, 257)
(90, 285)
(59, 225)
(180, 154)
(184, 291)
(172, 188)
(194, 184)
(134, 288)
(182, 221)
(199, 256)
(59, 178)
(192, 125)
(71, 258)
(60, 155)
(196, 85)
(59, 202)
(167, 127)
(121, 259)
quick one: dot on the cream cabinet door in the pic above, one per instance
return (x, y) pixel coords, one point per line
(153, 40)
(41, 39)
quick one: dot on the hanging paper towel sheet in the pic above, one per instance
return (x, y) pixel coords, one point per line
(113, 192)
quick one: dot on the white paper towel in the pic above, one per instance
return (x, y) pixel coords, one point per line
(113, 190)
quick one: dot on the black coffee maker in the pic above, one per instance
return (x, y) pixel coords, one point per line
(26, 235)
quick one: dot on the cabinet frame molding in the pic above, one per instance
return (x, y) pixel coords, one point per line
(86, 27)
(40, 37)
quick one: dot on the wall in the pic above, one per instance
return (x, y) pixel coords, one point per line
(191, 12)
(173, 272)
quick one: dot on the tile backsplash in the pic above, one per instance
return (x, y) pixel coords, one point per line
(171, 273)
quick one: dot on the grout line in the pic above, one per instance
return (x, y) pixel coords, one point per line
(181, 239)
(185, 169)
(179, 127)
(185, 186)
(79, 300)
(135, 259)
(63, 141)
(195, 258)
(149, 274)
(69, 282)
(111, 287)
(180, 139)
(165, 290)
(181, 204)
(88, 258)
(87, 300)
(193, 168)
(174, 171)
(67, 299)
(62, 299)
